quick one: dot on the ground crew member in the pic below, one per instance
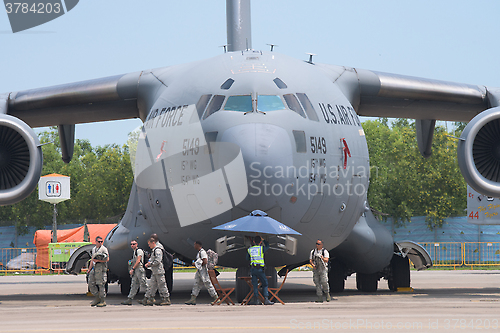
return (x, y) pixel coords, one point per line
(157, 281)
(319, 261)
(256, 256)
(201, 276)
(155, 237)
(159, 245)
(136, 271)
(97, 272)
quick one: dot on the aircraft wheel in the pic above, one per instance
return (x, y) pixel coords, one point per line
(125, 285)
(336, 277)
(366, 282)
(273, 281)
(242, 288)
(169, 277)
(400, 278)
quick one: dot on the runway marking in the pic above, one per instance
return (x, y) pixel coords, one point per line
(151, 328)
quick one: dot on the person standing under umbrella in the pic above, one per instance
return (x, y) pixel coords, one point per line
(256, 256)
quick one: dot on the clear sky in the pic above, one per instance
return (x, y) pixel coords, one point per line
(447, 40)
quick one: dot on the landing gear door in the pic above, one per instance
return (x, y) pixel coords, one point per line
(291, 245)
(221, 246)
(418, 255)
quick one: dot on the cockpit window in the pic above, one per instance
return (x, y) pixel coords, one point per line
(242, 103)
(267, 103)
(226, 85)
(293, 104)
(280, 83)
(202, 104)
(214, 105)
(306, 103)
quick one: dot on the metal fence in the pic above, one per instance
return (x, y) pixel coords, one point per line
(450, 254)
(445, 253)
(20, 259)
(483, 254)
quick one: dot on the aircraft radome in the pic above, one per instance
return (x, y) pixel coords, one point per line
(254, 129)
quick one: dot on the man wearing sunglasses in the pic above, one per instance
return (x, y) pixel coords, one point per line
(137, 273)
(97, 273)
(319, 261)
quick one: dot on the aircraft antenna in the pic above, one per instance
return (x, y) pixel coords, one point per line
(272, 46)
(310, 61)
(239, 32)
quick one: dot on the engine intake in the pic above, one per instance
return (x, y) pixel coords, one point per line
(479, 152)
(21, 160)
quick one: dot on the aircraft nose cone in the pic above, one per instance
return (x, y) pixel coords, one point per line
(267, 154)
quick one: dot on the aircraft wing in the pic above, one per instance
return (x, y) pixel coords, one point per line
(377, 94)
(398, 96)
(109, 98)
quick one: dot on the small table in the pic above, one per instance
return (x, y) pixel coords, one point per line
(248, 297)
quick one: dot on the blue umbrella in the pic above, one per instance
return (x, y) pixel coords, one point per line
(258, 222)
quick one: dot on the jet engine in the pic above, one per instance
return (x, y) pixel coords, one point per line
(479, 152)
(21, 160)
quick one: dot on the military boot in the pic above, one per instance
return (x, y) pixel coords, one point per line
(268, 302)
(102, 303)
(142, 301)
(192, 300)
(214, 299)
(96, 301)
(328, 297)
(320, 299)
(165, 301)
(127, 302)
(148, 302)
(157, 301)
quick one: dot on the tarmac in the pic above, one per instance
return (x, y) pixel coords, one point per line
(442, 301)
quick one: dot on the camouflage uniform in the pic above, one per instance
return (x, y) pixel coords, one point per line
(320, 274)
(139, 277)
(98, 274)
(201, 276)
(157, 280)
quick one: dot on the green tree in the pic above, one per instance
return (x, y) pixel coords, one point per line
(405, 184)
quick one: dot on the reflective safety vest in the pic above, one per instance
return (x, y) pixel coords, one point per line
(256, 253)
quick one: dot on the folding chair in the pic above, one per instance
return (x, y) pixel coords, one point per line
(274, 291)
(223, 293)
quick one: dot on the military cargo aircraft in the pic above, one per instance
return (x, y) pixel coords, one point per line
(254, 129)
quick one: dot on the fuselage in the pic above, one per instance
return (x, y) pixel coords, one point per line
(243, 131)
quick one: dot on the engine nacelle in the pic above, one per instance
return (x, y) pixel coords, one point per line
(479, 152)
(21, 160)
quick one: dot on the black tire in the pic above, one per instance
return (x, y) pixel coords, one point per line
(125, 285)
(400, 277)
(336, 276)
(366, 282)
(169, 278)
(242, 288)
(273, 281)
